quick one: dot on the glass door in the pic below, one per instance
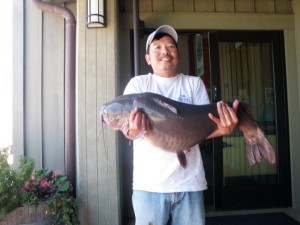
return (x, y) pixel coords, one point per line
(249, 66)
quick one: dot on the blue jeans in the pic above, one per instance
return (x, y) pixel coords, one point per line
(180, 208)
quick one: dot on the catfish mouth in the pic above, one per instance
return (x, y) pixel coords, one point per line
(102, 119)
(105, 120)
(104, 115)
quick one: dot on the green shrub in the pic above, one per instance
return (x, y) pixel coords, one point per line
(28, 186)
(12, 181)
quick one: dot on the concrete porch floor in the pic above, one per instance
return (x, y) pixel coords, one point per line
(294, 213)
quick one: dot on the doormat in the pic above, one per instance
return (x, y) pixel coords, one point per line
(253, 219)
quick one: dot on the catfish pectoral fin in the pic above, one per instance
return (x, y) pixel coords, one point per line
(257, 146)
(182, 159)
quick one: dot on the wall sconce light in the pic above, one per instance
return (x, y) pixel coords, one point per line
(95, 13)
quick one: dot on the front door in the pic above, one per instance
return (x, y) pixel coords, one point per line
(249, 66)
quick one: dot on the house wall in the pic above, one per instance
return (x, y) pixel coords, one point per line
(38, 102)
(103, 69)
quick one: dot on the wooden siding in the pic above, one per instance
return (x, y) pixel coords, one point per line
(53, 92)
(293, 102)
(39, 91)
(18, 80)
(33, 85)
(97, 155)
(228, 6)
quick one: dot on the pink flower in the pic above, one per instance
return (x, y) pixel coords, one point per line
(44, 184)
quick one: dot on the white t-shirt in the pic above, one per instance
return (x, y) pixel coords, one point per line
(154, 169)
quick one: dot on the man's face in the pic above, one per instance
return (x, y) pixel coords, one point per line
(163, 57)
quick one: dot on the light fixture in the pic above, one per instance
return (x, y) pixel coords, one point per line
(95, 13)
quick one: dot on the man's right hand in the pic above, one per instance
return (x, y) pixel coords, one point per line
(139, 124)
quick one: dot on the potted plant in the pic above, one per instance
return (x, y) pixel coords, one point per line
(26, 186)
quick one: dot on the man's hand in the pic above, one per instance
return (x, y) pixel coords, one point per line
(227, 120)
(138, 124)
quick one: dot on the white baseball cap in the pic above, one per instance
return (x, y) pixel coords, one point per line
(162, 29)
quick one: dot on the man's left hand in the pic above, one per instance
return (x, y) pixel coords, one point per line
(227, 120)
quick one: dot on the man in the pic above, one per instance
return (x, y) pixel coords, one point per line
(163, 191)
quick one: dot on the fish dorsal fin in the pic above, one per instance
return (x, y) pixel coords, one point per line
(166, 105)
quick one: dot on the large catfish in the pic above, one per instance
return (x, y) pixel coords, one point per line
(177, 126)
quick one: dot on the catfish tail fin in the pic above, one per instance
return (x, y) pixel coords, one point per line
(257, 145)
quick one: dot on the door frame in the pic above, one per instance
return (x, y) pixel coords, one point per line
(283, 158)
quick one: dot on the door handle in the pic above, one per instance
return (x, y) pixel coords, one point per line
(214, 93)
